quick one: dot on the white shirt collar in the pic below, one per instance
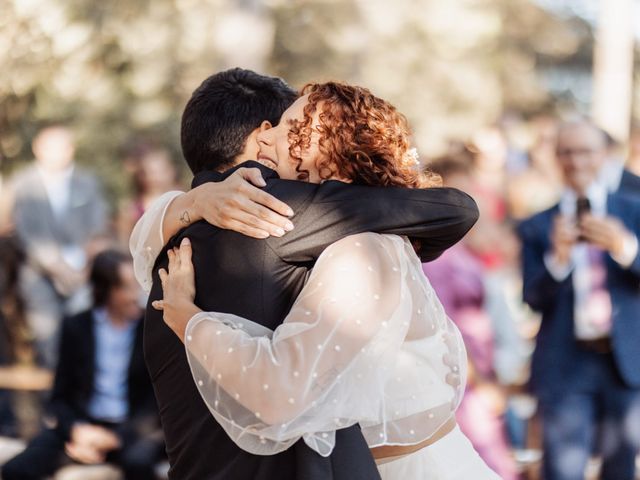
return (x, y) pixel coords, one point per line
(611, 173)
(102, 317)
(597, 195)
(58, 188)
(61, 176)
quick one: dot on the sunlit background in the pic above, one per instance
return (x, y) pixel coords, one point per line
(118, 70)
(487, 77)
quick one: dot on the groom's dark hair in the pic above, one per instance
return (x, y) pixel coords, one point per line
(224, 110)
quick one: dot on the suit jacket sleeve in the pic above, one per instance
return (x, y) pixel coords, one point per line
(60, 403)
(436, 217)
(539, 286)
(29, 214)
(634, 227)
(98, 218)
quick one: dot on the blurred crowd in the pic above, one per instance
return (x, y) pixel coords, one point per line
(61, 244)
(70, 306)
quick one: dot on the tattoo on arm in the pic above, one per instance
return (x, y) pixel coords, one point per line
(185, 218)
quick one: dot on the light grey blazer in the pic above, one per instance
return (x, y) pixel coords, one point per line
(37, 226)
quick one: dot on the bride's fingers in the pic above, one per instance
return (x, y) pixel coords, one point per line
(162, 273)
(171, 255)
(158, 304)
(185, 253)
(174, 259)
(177, 260)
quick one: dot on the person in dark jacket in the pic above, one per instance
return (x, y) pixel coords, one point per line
(581, 271)
(102, 405)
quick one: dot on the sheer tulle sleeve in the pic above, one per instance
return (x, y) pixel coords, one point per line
(331, 362)
(147, 241)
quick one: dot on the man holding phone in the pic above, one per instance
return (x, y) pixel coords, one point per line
(581, 270)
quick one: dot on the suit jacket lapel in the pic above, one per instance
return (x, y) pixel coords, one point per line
(629, 183)
(136, 359)
(88, 338)
(613, 206)
(45, 210)
(546, 223)
(78, 196)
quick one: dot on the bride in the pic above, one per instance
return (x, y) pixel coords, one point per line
(367, 340)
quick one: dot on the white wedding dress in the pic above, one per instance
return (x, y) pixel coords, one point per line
(367, 341)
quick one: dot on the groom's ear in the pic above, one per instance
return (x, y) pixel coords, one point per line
(250, 151)
(265, 125)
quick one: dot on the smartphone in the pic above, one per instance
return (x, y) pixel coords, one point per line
(583, 206)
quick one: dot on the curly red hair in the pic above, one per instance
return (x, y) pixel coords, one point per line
(362, 138)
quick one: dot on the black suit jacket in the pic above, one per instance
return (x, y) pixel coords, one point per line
(74, 378)
(259, 280)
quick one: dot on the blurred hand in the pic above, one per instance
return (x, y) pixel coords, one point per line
(237, 204)
(90, 443)
(178, 289)
(95, 436)
(65, 279)
(493, 395)
(84, 454)
(607, 233)
(564, 235)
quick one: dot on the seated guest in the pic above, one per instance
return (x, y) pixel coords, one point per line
(13, 331)
(102, 401)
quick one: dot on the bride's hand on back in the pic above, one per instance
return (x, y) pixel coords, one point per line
(178, 289)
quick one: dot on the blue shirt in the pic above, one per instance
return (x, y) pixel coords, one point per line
(114, 346)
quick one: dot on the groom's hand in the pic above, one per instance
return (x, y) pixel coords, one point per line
(238, 204)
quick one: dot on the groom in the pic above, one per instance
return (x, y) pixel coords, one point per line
(260, 279)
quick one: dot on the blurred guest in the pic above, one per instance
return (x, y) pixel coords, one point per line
(581, 271)
(487, 152)
(514, 128)
(102, 403)
(614, 173)
(490, 154)
(57, 209)
(154, 173)
(5, 203)
(495, 245)
(458, 279)
(13, 334)
(538, 186)
(634, 151)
